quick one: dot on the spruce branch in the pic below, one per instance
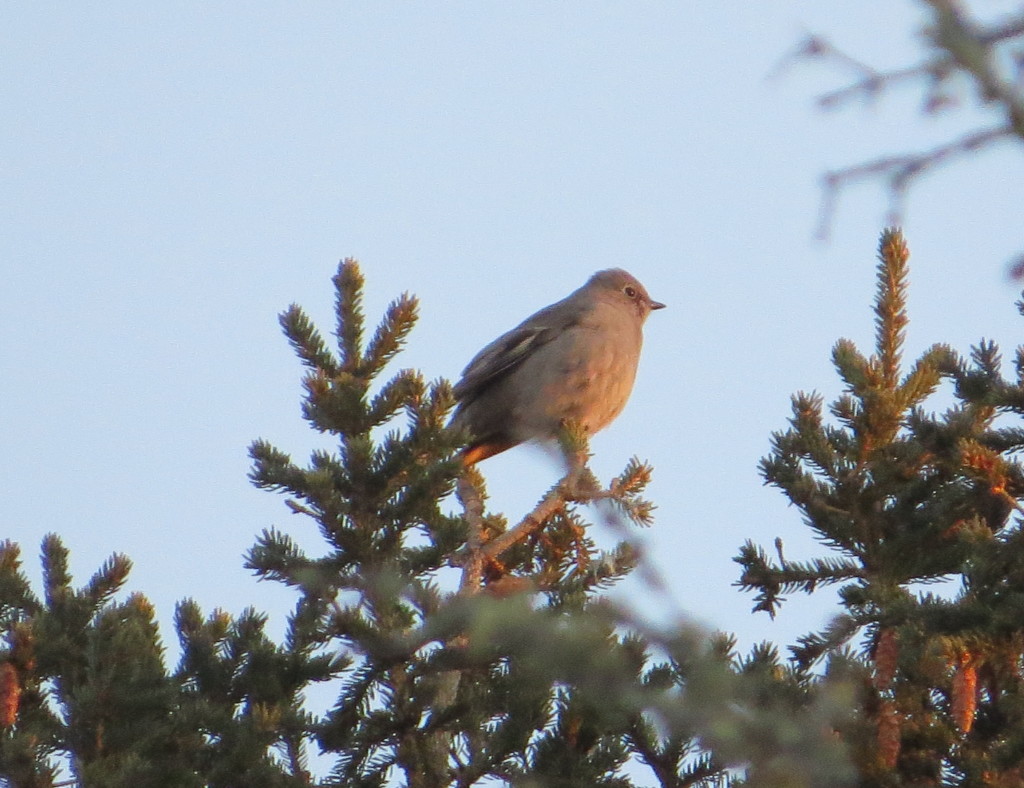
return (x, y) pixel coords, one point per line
(349, 283)
(108, 580)
(394, 395)
(812, 647)
(399, 319)
(276, 557)
(309, 346)
(773, 579)
(891, 305)
(924, 377)
(16, 597)
(274, 470)
(56, 577)
(852, 366)
(571, 487)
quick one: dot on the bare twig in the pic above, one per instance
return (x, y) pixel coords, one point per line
(468, 492)
(900, 171)
(478, 552)
(961, 45)
(473, 509)
(298, 508)
(577, 485)
(870, 82)
(972, 48)
(568, 489)
(871, 85)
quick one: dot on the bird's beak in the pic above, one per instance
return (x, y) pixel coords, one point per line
(655, 305)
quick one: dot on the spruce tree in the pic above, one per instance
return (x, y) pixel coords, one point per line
(903, 497)
(516, 670)
(86, 698)
(462, 648)
(426, 689)
(83, 687)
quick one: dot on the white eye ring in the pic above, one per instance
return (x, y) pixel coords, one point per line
(630, 291)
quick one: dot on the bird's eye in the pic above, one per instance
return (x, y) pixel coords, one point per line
(630, 291)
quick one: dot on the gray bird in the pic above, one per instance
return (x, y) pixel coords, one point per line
(572, 361)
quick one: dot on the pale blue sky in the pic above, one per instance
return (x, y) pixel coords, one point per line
(173, 175)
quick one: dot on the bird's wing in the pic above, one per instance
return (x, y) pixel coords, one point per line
(509, 350)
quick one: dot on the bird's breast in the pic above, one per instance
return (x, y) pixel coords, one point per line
(596, 377)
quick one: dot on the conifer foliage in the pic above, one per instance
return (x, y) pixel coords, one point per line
(463, 648)
(454, 655)
(902, 497)
(83, 677)
(471, 651)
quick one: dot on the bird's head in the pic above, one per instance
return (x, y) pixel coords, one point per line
(622, 287)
